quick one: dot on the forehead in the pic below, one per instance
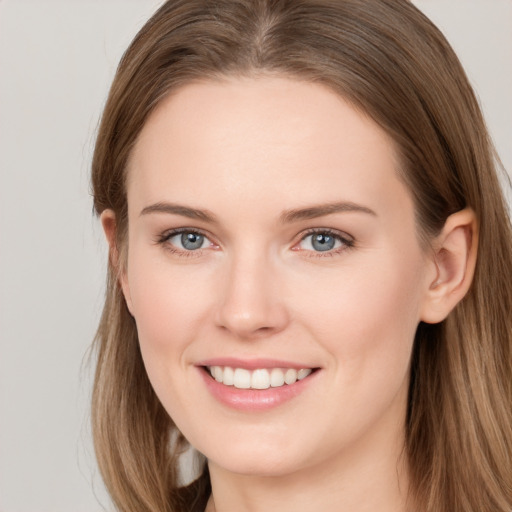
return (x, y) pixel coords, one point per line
(267, 139)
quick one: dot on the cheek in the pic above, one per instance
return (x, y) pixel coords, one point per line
(168, 304)
(368, 322)
(169, 309)
(369, 318)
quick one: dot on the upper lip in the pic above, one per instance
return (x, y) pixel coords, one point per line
(252, 364)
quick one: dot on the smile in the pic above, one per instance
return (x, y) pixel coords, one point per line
(257, 384)
(259, 378)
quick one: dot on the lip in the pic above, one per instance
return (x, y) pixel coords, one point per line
(254, 400)
(252, 364)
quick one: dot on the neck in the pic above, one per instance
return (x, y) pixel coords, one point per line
(372, 476)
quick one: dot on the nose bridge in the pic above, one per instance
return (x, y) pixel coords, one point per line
(250, 303)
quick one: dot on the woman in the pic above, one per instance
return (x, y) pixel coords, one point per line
(309, 261)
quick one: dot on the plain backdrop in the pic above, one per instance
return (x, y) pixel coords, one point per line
(57, 59)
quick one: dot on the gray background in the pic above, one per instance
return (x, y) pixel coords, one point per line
(57, 59)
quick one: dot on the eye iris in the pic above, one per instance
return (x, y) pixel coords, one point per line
(191, 241)
(322, 242)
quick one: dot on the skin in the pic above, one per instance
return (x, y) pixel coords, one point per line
(247, 150)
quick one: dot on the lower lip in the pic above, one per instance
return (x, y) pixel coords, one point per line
(255, 399)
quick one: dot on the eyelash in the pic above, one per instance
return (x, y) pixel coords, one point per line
(165, 237)
(347, 242)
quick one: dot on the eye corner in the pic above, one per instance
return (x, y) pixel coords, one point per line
(186, 242)
(336, 242)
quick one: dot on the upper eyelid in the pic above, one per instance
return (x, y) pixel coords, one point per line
(166, 235)
(342, 235)
(347, 243)
(164, 240)
(330, 231)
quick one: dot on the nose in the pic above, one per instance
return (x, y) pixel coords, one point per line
(251, 304)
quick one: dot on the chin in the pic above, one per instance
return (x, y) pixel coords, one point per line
(256, 467)
(257, 458)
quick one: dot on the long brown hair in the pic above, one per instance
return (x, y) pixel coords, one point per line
(390, 61)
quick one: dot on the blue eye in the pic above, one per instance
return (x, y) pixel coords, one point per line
(189, 241)
(324, 241)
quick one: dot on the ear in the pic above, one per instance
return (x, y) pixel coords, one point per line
(453, 266)
(108, 221)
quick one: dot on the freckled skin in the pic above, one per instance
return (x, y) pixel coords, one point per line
(246, 150)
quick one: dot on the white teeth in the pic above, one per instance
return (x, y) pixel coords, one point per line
(276, 378)
(242, 378)
(260, 378)
(290, 376)
(229, 376)
(303, 373)
(217, 373)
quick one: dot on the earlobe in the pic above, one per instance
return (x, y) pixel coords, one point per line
(454, 259)
(108, 221)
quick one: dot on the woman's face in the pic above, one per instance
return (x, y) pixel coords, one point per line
(269, 233)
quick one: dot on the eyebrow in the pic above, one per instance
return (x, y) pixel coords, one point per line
(178, 209)
(312, 212)
(288, 216)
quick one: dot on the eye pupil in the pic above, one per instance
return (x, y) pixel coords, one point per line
(191, 241)
(323, 242)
